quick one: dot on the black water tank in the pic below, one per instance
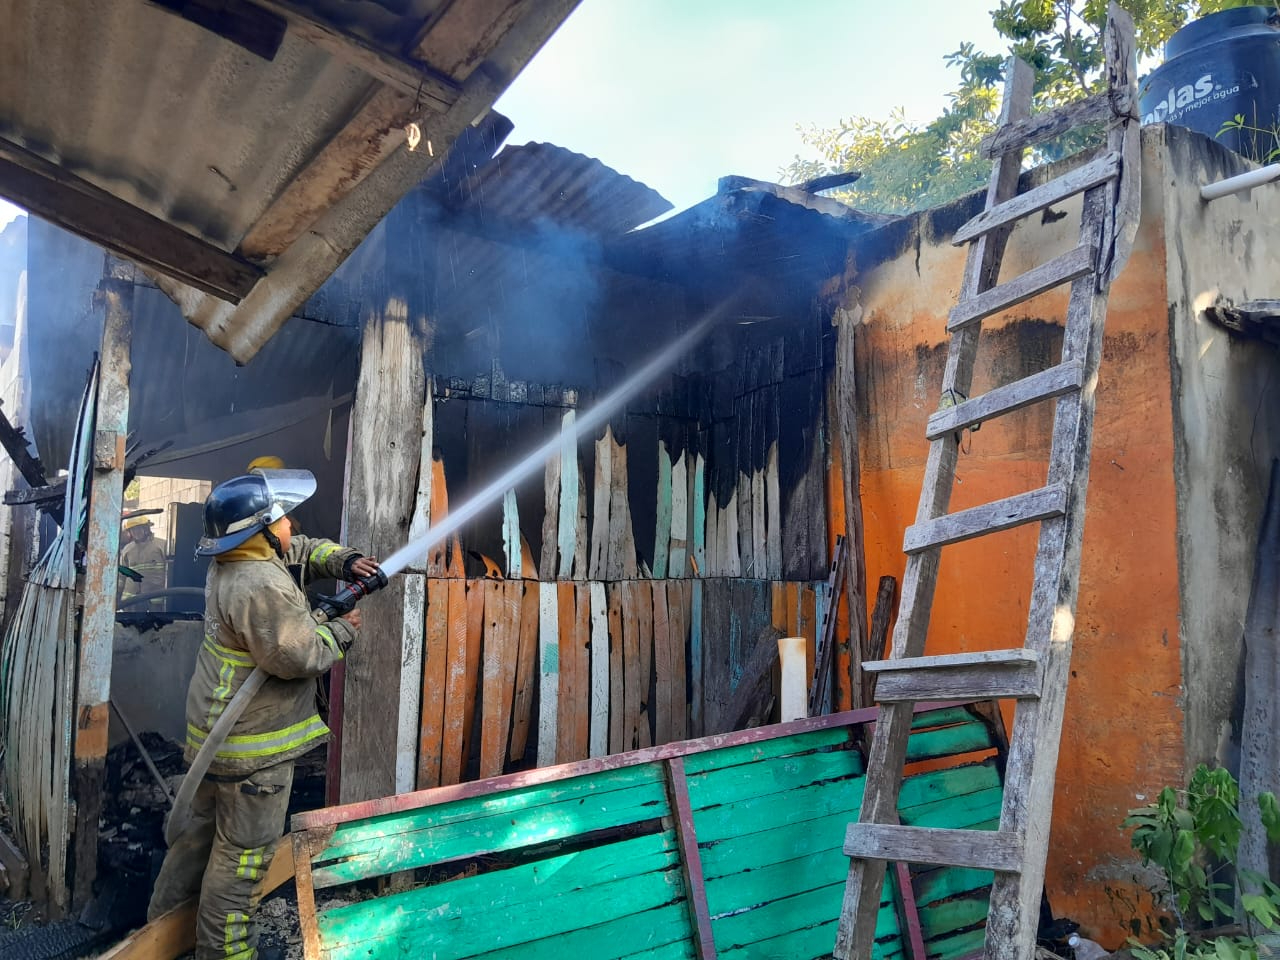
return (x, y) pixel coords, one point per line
(1225, 64)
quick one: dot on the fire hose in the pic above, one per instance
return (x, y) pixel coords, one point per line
(331, 607)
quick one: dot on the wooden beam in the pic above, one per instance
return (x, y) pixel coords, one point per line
(409, 77)
(385, 454)
(98, 622)
(67, 201)
(855, 585)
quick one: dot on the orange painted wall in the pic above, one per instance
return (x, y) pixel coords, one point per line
(1123, 736)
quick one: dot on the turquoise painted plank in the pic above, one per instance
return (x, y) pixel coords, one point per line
(941, 718)
(789, 914)
(683, 950)
(509, 803)
(699, 532)
(950, 916)
(650, 931)
(776, 846)
(943, 784)
(518, 885)
(695, 657)
(454, 920)
(764, 749)
(567, 538)
(733, 892)
(550, 822)
(811, 943)
(944, 882)
(770, 777)
(961, 812)
(936, 789)
(768, 813)
(957, 945)
(662, 536)
(949, 741)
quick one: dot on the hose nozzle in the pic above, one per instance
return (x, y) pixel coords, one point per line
(344, 600)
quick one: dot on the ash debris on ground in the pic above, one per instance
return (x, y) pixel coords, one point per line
(131, 832)
(132, 846)
(132, 825)
(130, 852)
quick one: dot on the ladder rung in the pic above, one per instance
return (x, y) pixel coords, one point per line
(992, 517)
(1052, 123)
(1059, 270)
(1045, 385)
(1069, 184)
(988, 675)
(977, 849)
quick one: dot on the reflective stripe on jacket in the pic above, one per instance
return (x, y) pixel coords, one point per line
(257, 615)
(147, 559)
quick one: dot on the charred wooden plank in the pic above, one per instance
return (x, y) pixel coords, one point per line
(526, 671)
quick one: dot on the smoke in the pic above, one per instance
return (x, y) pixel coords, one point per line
(586, 423)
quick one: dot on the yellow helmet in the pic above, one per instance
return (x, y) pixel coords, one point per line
(265, 463)
(137, 522)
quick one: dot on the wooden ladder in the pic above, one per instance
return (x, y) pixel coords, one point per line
(1034, 675)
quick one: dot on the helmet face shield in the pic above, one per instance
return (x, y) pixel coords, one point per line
(287, 489)
(242, 506)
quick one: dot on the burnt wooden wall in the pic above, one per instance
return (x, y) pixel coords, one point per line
(614, 598)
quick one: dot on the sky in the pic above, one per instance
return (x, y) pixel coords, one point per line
(678, 93)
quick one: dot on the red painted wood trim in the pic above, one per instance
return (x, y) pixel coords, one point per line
(690, 857)
(910, 913)
(527, 778)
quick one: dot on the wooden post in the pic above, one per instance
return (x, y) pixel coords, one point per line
(98, 622)
(855, 590)
(385, 455)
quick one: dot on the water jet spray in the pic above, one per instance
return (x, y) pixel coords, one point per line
(537, 458)
(345, 600)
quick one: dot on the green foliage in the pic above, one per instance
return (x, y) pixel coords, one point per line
(1261, 144)
(1194, 840)
(907, 165)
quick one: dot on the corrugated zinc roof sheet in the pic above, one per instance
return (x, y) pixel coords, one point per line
(284, 160)
(541, 182)
(164, 115)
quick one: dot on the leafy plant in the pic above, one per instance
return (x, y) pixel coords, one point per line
(1194, 839)
(1257, 143)
(908, 165)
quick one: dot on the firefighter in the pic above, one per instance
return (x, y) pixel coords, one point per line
(255, 614)
(146, 555)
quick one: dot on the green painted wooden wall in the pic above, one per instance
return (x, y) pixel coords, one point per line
(589, 868)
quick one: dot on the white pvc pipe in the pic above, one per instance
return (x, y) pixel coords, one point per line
(1243, 182)
(795, 700)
